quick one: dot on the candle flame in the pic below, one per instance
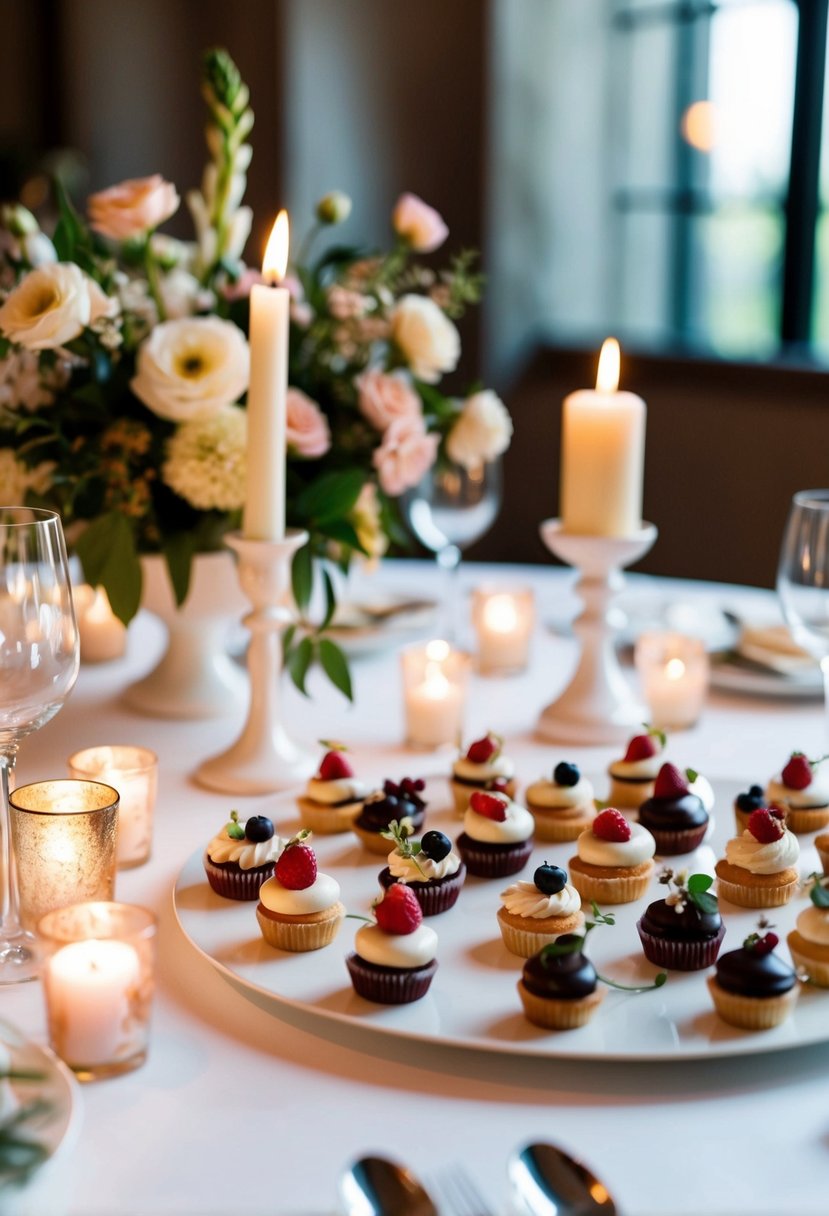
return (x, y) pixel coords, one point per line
(275, 262)
(437, 651)
(674, 669)
(607, 379)
(501, 614)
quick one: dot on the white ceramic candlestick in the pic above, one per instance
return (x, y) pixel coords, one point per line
(598, 705)
(263, 758)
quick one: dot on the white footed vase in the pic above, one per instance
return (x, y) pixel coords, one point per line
(195, 677)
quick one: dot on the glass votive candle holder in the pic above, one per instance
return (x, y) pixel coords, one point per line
(435, 677)
(504, 619)
(101, 635)
(98, 980)
(64, 842)
(674, 670)
(133, 771)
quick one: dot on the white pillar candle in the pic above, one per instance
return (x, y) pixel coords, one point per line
(603, 455)
(264, 513)
(90, 987)
(102, 636)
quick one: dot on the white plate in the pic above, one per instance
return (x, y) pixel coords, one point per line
(358, 629)
(737, 677)
(473, 1000)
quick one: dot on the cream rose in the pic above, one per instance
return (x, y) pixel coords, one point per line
(418, 223)
(482, 432)
(52, 305)
(188, 369)
(382, 398)
(306, 427)
(405, 455)
(426, 338)
(132, 207)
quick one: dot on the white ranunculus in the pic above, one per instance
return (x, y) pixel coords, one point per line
(482, 432)
(51, 306)
(189, 368)
(426, 338)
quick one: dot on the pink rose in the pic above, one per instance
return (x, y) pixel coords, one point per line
(384, 398)
(132, 207)
(306, 429)
(405, 454)
(418, 223)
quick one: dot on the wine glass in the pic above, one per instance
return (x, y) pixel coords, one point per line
(803, 578)
(38, 666)
(448, 510)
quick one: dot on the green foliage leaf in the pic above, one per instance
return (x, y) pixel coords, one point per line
(299, 660)
(344, 532)
(819, 894)
(107, 553)
(705, 902)
(331, 496)
(699, 882)
(330, 601)
(178, 550)
(302, 577)
(335, 666)
(287, 642)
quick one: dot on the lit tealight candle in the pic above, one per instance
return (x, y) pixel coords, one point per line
(503, 621)
(89, 989)
(133, 772)
(102, 636)
(434, 681)
(674, 671)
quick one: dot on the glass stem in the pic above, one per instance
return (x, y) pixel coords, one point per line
(9, 903)
(449, 559)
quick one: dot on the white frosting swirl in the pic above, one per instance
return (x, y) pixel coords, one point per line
(813, 925)
(518, 825)
(405, 869)
(551, 794)
(339, 789)
(525, 899)
(757, 858)
(637, 770)
(597, 852)
(815, 794)
(323, 892)
(468, 770)
(405, 950)
(246, 853)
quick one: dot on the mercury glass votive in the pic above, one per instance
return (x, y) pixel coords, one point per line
(98, 981)
(64, 839)
(504, 619)
(133, 771)
(674, 671)
(435, 677)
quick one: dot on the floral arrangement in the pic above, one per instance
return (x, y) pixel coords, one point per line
(124, 365)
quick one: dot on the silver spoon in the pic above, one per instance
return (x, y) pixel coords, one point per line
(375, 1186)
(552, 1183)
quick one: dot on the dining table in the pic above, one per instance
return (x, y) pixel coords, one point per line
(252, 1105)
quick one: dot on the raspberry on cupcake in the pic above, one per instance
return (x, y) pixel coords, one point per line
(809, 940)
(333, 796)
(750, 800)
(534, 914)
(399, 800)
(632, 777)
(760, 866)
(564, 807)
(801, 791)
(614, 860)
(497, 836)
(241, 856)
(674, 815)
(430, 868)
(299, 909)
(684, 930)
(483, 766)
(394, 957)
(752, 988)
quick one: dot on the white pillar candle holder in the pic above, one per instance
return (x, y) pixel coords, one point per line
(598, 705)
(263, 759)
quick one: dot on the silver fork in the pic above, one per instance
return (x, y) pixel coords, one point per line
(456, 1194)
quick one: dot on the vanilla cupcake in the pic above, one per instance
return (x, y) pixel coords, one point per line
(632, 778)
(564, 807)
(534, 914)
(299, 909)
(483, 766)
(801, 790)
(241, 857)
(822, 846)
(497, 839)
(333, 796)
(614, 860)
(809, 940)
(760, 866)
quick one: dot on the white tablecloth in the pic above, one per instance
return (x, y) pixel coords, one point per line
(243, 1107)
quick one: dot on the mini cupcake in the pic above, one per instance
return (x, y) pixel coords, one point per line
(394, 958)
(802, 792)
(534, 914)
(333, 796)
(753, 989)
(752, 800)
(632, 777)
(684, 930)
(822, 846)
(760, 866)
(674, 816)
(614, 860)
(497, 836)
(430, 868)
(397, 800)
(564, 807)
(809, 940)
(559, 986)
(298, 908)
(482, 767)
(241, 857)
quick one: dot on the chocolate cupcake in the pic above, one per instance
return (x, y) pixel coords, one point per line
(241, 857)
(753, 989)
(430, 868)
(497, 839)
(396, 801)
(559, 986)
(676, 818)
(684, 930)
(394, 959)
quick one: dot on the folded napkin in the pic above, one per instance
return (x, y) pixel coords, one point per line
(774, 647)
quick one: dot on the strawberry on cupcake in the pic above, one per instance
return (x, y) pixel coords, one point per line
(497, 836)
(614, 860)
(333, 796)
(760, 865)
(483, 766)
(632, 777)
(674, 815)
(801, 791)
(299, 909)
(394, 956)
